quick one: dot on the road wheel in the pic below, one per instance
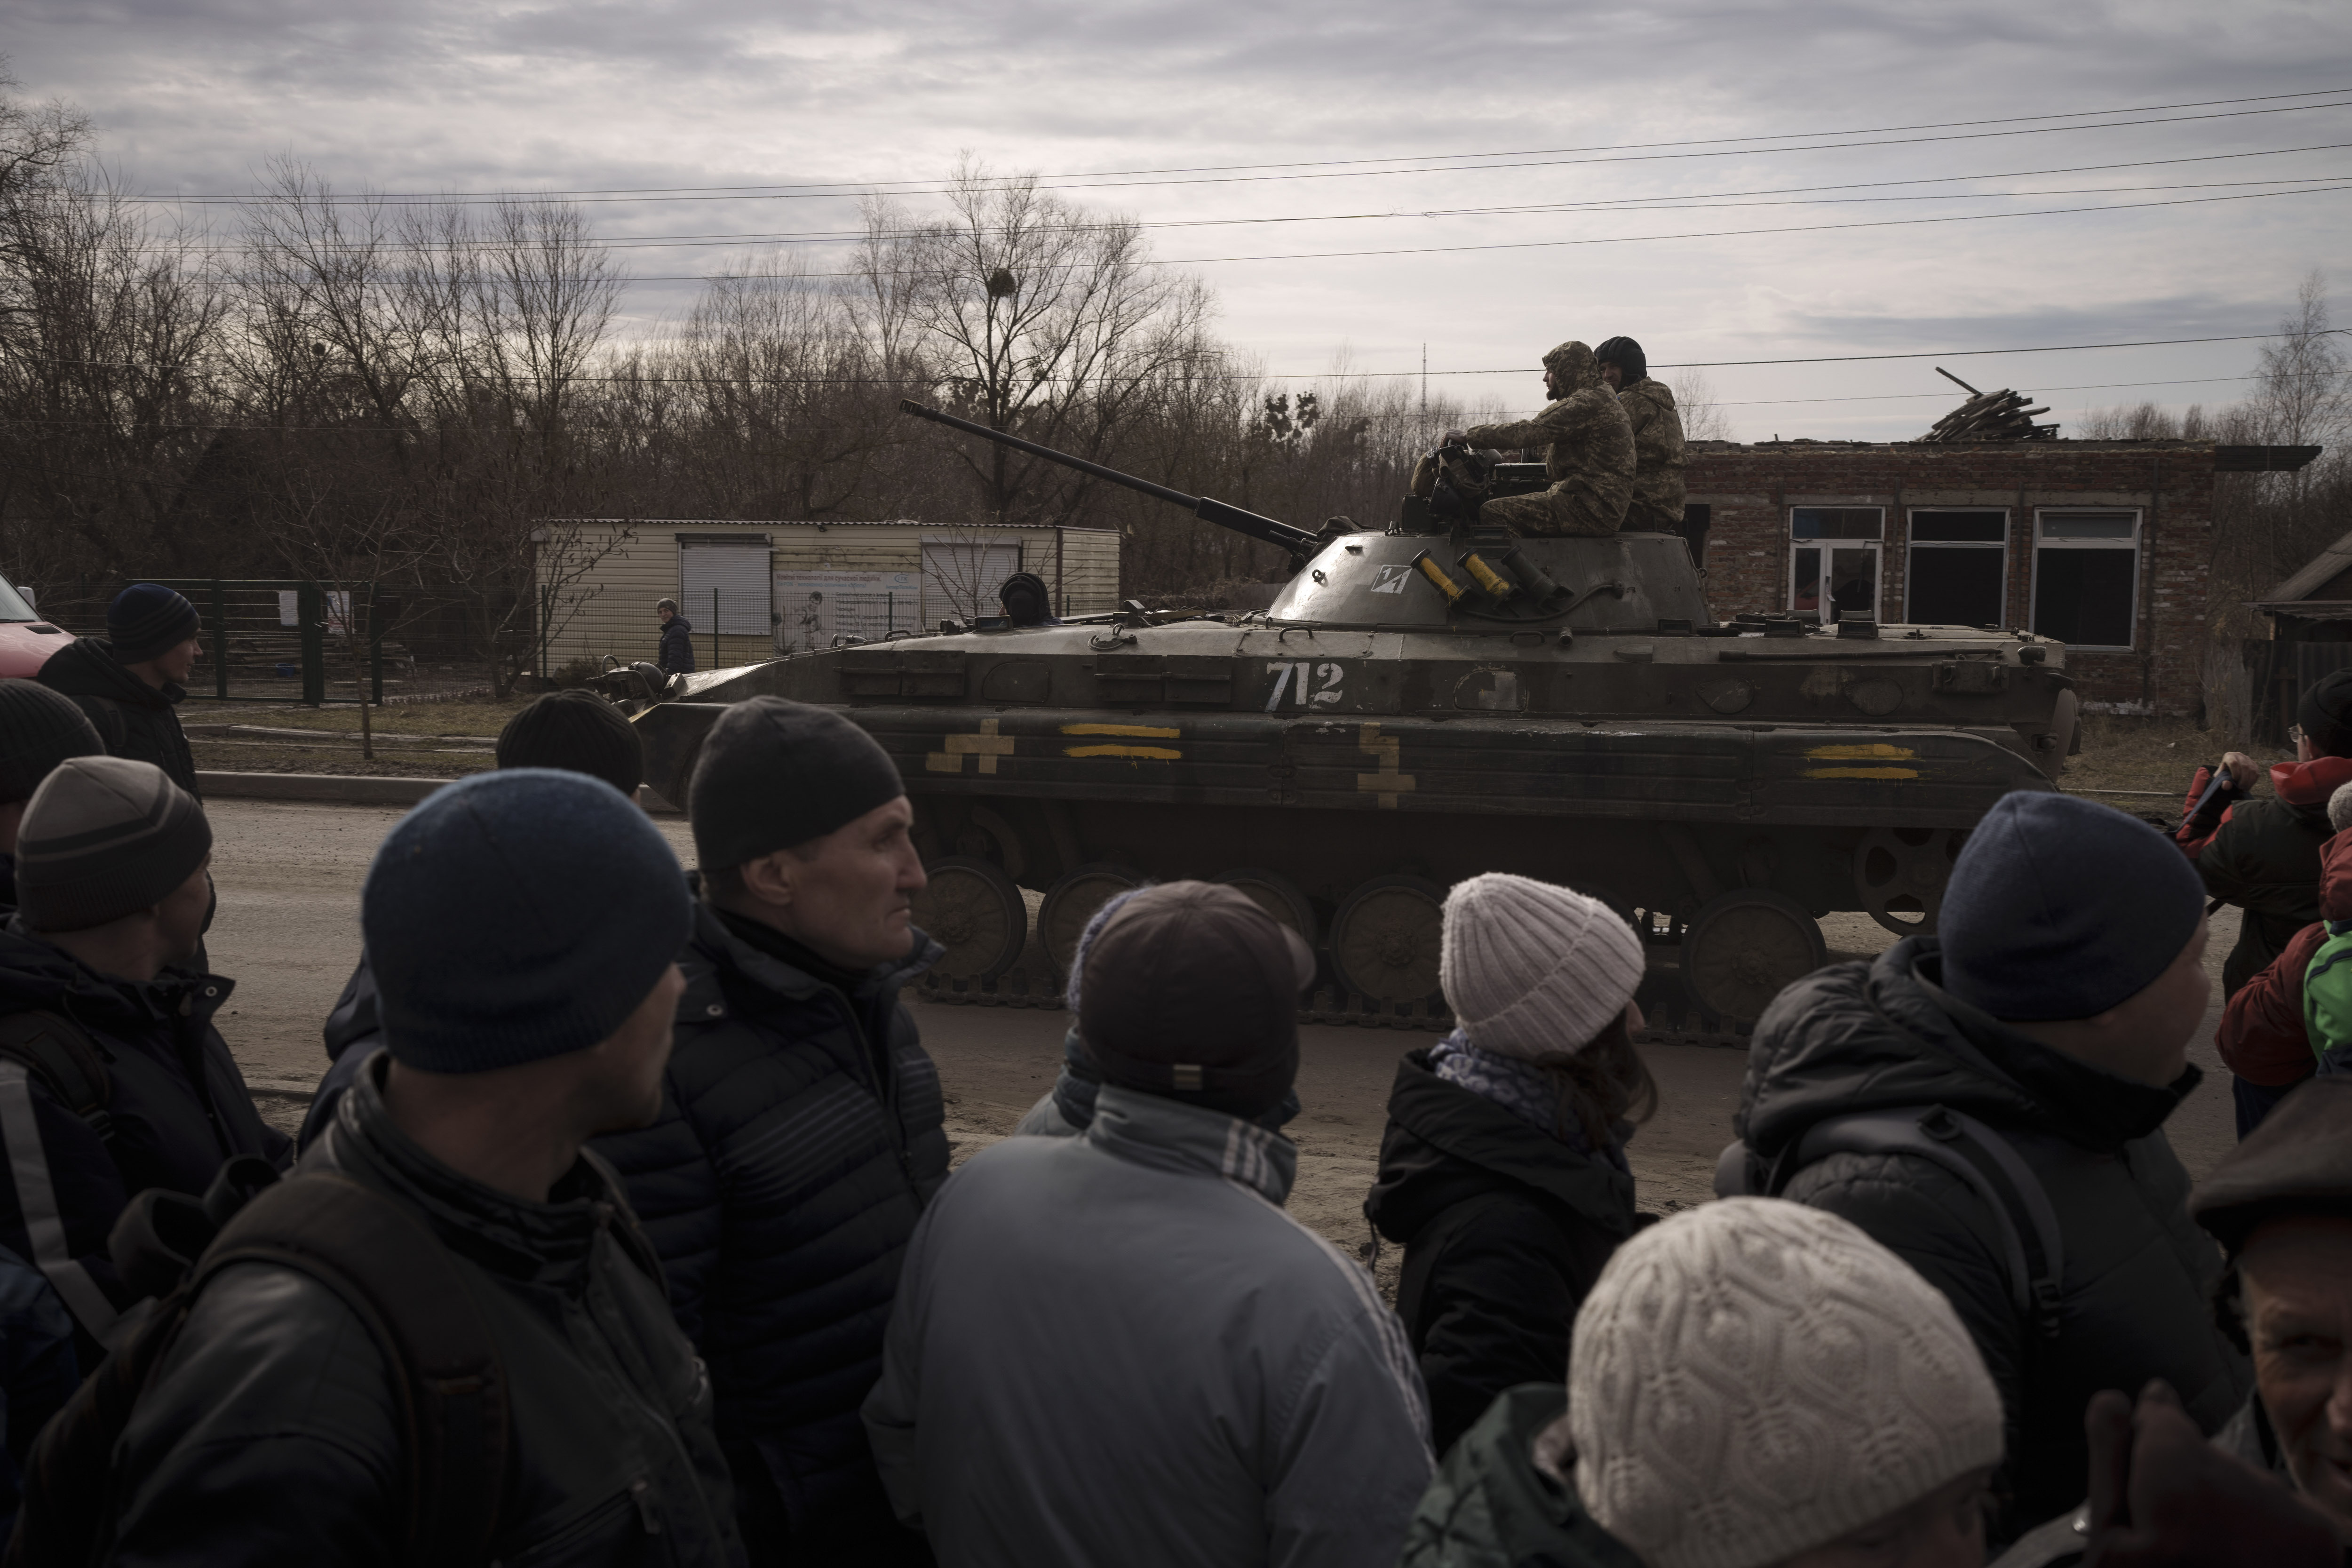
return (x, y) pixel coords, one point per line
(1072, 901)
(1278, 895)
(1741, 949)
(974, 910)
(1900, 875)
(1384, 940)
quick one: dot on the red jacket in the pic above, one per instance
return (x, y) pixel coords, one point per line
(2261, 1037)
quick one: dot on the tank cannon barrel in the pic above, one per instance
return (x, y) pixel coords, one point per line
(1297, 540)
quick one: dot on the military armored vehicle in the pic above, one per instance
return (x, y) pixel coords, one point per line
(1421, 704)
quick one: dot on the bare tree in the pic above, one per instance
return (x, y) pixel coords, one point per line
(1704, 417)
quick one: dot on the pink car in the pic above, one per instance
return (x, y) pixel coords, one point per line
(25, 640)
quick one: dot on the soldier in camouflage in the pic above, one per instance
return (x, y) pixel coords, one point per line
(1588, 448)
(1657, 505)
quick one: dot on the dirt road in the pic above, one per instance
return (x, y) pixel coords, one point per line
(287, 933)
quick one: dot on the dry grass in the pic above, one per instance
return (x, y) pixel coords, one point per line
(2146, 754)
(415, 740)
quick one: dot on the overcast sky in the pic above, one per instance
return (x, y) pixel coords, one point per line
(193, 96)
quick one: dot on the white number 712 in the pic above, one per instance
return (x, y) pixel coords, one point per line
(1326, 696)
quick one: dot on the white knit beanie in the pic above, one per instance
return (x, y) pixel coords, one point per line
(1529, 968)
(1753, 1378)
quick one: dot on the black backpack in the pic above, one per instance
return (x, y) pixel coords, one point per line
(2033, 1251)
(381, 1261)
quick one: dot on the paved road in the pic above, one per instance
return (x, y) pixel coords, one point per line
(287, 933)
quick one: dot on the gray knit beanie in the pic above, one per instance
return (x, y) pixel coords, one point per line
(104, 837)
(2339, 808)
(1753, 1378)
(38, 729)
(1529, 968)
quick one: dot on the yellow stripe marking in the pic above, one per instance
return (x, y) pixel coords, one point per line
(1149, 753)
(1871, 753)
(1140, 731)
(1862, 772)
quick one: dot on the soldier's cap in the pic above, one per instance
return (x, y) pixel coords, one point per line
(1190, 991)
(2298, 1161)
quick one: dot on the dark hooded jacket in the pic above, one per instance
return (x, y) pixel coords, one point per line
(1492, 1506)
(134, 719)
(2137, 1293)
(2265, 858)
(270, 1434)
(677, 646)
(179, 1106)
(801, 1132)
(1504, 1230)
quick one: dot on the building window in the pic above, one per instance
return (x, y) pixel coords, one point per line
(1959, 569)
(2087, 577)
(1833, 551)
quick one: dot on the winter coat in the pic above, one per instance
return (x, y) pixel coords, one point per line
(677, 646)
(802, 1132)
(179, 1106)
(353, 1032)
(135, 719)
(271, 1433)
(1119, 1348)
(37, 1371)
(1492, 1506)
(2263, 1037)
(1504, 1230)
(2137, 1290)
(1658, 458)
(2265, 858)
(1588, 448)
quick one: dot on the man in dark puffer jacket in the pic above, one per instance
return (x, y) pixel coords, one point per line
(131, 682)
(802, 1133)
(2056, 1007)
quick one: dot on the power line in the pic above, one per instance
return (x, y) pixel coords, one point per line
(1721, 147)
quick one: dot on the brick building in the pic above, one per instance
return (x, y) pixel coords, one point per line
(2105, 545)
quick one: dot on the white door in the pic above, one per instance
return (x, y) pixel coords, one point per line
(961, 577)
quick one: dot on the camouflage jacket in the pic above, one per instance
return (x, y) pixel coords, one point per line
(1657, 504)
(1585, 437)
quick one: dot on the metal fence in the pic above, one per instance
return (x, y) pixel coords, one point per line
(728, 628)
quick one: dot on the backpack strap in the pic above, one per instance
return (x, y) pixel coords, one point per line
(2032, 1248)
(405, 1287)
(61, 1055)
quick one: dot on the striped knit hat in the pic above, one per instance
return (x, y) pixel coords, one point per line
(146, 620)
(104, 837)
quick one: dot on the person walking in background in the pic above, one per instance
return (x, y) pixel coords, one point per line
(571, 732)
(1116, 1346)
(2017, 1069)
(113, 1076)
(676, 639)
(1755, 1383)
(524, 926)
(131, 682)
(39, 730)
(1503, 1169)
(802, 1127)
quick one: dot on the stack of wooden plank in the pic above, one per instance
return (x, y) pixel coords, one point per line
(1991, 417)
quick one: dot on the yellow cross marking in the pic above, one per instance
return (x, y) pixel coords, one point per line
(988, 745)
(1388, 782)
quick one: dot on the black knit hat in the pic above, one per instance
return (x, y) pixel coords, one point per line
(104, 837)
(146, 620)
(38, 729)
(579, 733)
(1626, 355)
(1190, 992)
(776, 774)
(2325, 713)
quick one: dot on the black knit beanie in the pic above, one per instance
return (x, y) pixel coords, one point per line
(1626, 355)
(38, 729)
(774, 773)
(104, 837)
(579, 733)
(146, 620)
(2325, 713)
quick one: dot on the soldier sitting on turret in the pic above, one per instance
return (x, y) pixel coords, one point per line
(1588, 448)
(1649, 404)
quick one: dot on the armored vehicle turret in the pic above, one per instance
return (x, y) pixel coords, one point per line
(1419, 705)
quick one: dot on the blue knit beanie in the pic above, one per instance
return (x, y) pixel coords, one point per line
(2061, 908)
(516, 915)
(146, 620)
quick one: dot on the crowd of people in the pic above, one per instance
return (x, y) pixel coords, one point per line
(622, 1229)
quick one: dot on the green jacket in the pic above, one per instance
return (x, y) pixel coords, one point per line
(1490, 1507)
